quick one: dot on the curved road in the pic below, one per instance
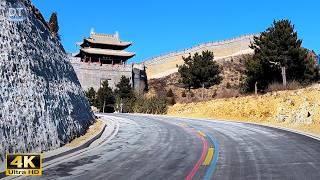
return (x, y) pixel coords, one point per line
(156, 147)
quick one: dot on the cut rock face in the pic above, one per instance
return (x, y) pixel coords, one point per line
(42, 105)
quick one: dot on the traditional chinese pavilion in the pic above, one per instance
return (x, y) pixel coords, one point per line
(104, 49)
(102, 57)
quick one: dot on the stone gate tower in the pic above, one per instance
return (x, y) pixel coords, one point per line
(103, 57)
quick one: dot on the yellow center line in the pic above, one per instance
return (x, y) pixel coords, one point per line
(201, 133)
(209, 156)
(183, 124)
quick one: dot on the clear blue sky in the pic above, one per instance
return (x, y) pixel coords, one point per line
(161, 26)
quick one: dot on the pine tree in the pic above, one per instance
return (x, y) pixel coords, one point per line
(105, 99)
(200, 70)
(278, 56)
(258, 74)
(123, 88)
(53, 25)
(170, 93)
(91, 95)
(124, 95)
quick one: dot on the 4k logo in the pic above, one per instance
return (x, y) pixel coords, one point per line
(24, 164)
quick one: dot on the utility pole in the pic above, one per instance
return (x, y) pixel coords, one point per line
(104, 105)
(202, 91)
(256, 88)
(284, 77)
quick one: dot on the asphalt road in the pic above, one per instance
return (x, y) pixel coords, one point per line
(155, 147)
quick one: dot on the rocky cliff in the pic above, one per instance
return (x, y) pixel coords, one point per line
(42, 105)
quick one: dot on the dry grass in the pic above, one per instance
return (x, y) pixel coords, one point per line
(293, 85)
(295, 109)
(93, 130)
(228, 93)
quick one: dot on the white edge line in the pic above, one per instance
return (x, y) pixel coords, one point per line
(234, 121)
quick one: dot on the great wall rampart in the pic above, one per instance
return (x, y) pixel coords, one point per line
(166, 64)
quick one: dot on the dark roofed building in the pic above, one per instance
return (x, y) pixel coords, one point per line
(103, 57)
(104, 49)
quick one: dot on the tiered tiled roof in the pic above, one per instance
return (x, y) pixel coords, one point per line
(107, 39)
(107, 52)
(114, 46)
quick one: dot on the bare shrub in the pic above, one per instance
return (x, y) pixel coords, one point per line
(228, 93)
(228, 86)
(170, 93)
(276, 86)
(153, 105)
(183, 94)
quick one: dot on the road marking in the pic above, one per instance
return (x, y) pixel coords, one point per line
(209, 157)
(183, 124)
(213, 164)
(201, 134)
(202, 157)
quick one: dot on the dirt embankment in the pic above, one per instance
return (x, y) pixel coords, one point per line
(93, 131)
(296, 109)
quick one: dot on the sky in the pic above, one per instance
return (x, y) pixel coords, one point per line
(161, 26)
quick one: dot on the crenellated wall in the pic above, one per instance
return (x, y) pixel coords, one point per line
(166, 64)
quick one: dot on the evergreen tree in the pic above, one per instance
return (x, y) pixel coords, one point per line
(123, 88)
(91, 95)
(105, 98)
(53, 25)
(200, 70)
(124, 95)
(278, 56)
(170, 93)
(170, 97)
(256, 74)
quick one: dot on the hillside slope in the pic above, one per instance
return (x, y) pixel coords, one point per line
(296, 109)
(42, 105)
(232, 73)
